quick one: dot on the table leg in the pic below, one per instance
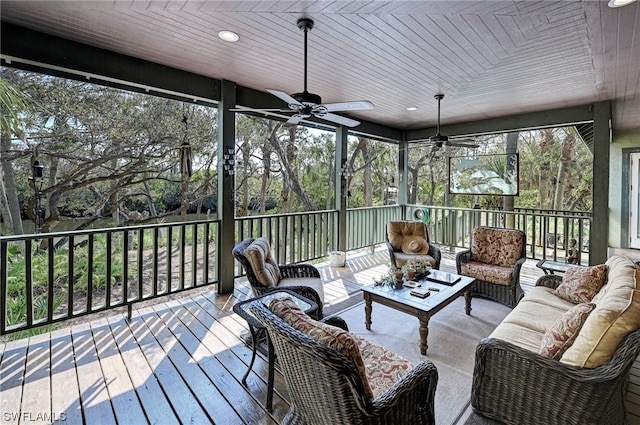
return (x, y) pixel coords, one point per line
(253, 355)
(467, 301)
(424, 332)
(271, 360)
(367, 311)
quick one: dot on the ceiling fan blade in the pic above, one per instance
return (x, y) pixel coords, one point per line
(294, 120)
(284, 96)
(463, 144)
(356, 105)
(339, 119)
(260, 110)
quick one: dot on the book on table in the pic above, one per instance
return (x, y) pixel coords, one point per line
(420, 292)
(443, 277)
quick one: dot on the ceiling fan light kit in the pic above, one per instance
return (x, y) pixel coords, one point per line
(307, 105)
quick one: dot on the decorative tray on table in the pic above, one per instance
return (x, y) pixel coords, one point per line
(443, 277)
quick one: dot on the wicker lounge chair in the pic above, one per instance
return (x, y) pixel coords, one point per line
(494, 259)
(325, 387)
(303, 279)
(514, 385)
(399, 232)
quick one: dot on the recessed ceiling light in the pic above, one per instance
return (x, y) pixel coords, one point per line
(620, 3)
(412, 108)
(228, 36)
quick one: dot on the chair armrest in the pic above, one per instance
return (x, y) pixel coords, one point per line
(550, 281)
(413, 394)
(337, 321)
(462, 257)
(391, 253)
(435, 252)
(298, 270)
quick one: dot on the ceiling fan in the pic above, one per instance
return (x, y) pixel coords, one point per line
(439, 140)
(305, 104)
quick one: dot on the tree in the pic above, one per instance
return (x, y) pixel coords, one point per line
(508, 202)
(566, 153)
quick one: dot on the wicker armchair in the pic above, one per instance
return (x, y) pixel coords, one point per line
(517, 386)
(303, 279)
(325, 387)
(495, 259)
(398, 232)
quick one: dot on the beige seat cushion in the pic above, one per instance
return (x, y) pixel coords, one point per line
(617, 314)
(262, 262)
(536, 313)
(314, 283)
(402, 258)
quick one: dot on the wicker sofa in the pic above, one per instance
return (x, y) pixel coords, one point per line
(543, 365)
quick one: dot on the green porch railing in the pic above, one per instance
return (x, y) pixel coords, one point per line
(548, 232)
(48, 278)
(293, 237)
(51, 277)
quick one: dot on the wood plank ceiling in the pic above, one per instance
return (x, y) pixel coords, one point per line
(490, 58)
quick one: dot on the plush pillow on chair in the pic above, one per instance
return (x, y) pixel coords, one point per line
(262, 262)
(336, 338)
(565, 330)
(581, 284)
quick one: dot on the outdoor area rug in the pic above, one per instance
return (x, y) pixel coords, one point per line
(452, 340)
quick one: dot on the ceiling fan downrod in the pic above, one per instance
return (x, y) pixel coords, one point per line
(306, 25)
(439, 97)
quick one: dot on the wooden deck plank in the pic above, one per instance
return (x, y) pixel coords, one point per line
(184, 403)
(155, 404)
(93, 390)
(169, 334)
(121, 390)
(66, 403)
(36, 390)
(12, 370)
(172, 357)
(202, 347)
(256, 381)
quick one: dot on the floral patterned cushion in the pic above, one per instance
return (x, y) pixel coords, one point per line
(565, 330)
(502, 247)
(336, 338)
(581, 284)
(383, 367)
(488, 272)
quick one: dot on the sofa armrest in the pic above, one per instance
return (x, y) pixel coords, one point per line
(515, 385)
(550, 281)
(413, 395)
(462, 257)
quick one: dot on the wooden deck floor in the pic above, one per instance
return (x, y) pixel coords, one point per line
(179, 361)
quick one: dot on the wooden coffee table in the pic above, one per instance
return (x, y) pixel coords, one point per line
(422, 308)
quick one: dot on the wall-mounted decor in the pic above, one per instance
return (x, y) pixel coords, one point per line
(484, 175)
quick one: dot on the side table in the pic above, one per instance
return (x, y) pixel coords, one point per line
(549, 266)
(256, 327)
